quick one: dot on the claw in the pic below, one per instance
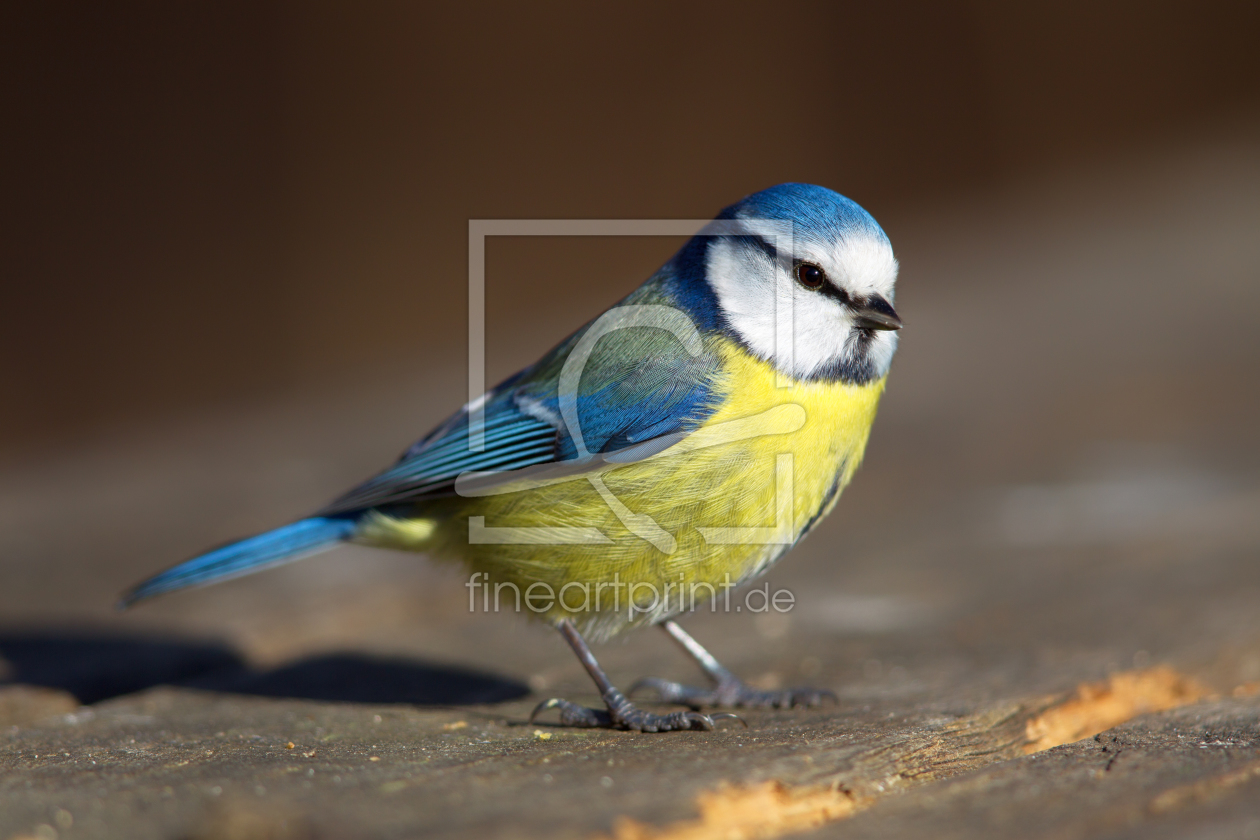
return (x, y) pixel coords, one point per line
(732, 692)
(571, 714)
(622, 714)
(716, 716)
(544, 706)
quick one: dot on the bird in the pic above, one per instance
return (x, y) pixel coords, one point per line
(675, 446)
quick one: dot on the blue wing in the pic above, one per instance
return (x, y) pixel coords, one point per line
(638, 384)
(428, 469)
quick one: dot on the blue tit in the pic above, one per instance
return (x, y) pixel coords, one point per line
(675, 446)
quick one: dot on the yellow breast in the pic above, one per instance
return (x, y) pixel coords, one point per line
(805, 440)
(714, 509)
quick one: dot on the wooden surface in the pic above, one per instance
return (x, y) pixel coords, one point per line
(1039, 603)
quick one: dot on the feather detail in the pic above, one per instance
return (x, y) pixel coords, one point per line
(283, 545)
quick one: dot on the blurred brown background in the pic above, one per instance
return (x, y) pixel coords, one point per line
(211, 202)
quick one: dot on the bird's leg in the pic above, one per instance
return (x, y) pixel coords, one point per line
(621, 713)
(728, 689)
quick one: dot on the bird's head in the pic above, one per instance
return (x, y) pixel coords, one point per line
(803, 278)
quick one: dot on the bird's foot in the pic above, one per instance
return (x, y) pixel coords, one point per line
(732, 692)
(622, 714)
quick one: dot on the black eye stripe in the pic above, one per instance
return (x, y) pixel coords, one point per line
(827, 288)
(836, 294)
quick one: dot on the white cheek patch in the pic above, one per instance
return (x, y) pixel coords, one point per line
(745, 288)
(800, 331)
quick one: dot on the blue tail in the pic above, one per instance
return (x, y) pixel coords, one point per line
(291, 542)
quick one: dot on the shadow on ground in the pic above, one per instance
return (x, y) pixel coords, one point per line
(98, 666)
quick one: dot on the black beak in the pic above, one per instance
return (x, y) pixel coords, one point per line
(875, 313)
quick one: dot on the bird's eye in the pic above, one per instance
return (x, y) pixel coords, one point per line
(810, 276)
